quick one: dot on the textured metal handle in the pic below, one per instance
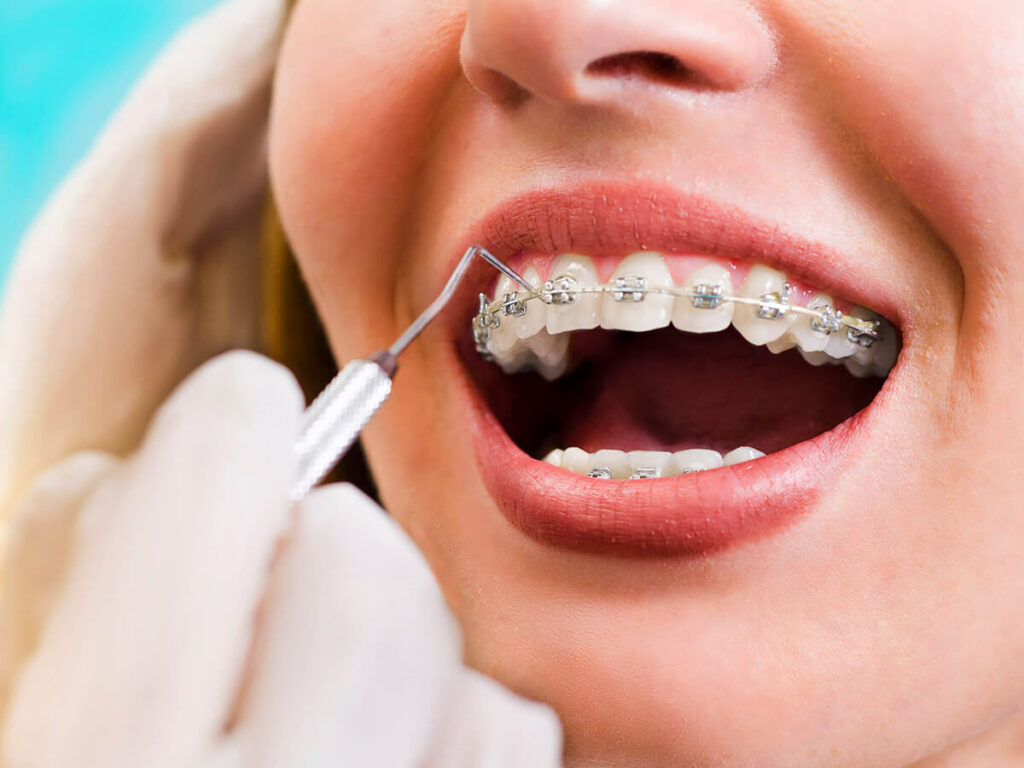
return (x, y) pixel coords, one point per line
(335, 419)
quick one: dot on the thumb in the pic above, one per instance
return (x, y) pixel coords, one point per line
(139, 663)
(36, 556)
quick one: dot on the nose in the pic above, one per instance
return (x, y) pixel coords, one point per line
(595, 51)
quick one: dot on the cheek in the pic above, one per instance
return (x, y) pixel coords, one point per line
(937, 97)
(355, 91)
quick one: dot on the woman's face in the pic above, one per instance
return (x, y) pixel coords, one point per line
(851, 599)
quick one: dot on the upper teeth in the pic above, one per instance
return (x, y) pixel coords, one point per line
(528, 329)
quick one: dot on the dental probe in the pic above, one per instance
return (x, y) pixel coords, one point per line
(340, 413)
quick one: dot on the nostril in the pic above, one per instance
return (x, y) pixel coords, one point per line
(658, 67)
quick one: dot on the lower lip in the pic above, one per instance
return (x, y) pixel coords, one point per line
(685, 515)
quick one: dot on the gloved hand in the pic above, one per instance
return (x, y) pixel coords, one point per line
(175, 610)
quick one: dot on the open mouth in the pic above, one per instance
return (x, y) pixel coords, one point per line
(665, 401)
(669, 364)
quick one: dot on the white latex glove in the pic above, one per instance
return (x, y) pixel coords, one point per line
(173, 609)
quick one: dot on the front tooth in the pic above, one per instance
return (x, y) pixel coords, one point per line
(808, 339)
(689, 316)
(760, 281)
(554, 457)
(615, 461)
(654, 310)
(740, 455)
(576, 460)
(781, 344)
(695, 460)
(536, 310)
(642, 463)
(585, 311)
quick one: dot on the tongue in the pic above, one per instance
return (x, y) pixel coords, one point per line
(667, 390)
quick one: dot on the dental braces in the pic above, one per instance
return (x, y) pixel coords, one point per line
(641, 473)
(633, 289)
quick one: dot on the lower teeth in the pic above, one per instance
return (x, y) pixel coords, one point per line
(641, 465)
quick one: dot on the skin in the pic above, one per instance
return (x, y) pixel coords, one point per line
(885, 628)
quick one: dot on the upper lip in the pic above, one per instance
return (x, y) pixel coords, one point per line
(607, 217)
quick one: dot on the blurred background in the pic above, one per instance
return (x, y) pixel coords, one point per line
(64, 67)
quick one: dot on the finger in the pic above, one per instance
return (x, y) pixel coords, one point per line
(140, 660)
(357, 649)
(36, 556)
(488, 726)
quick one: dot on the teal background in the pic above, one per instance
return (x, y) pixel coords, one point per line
(64, 67)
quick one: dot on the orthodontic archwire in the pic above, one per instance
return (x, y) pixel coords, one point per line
(339, 414)
(565, 289)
